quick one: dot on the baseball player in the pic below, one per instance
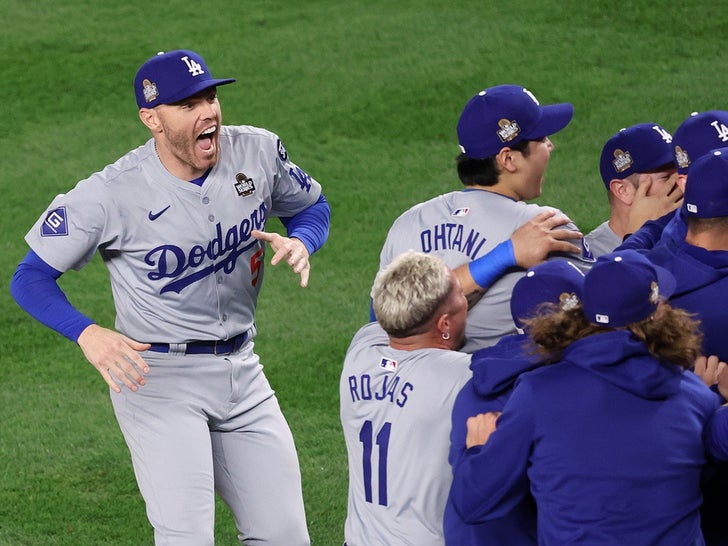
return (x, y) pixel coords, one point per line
(610, 436)
(494, 372)
(398, 383)
(636, 165)
(699, 263)
(697, 135)
(180, 224)
(503, 133)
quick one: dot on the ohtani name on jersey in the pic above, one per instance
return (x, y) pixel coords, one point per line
(452, 236)
(172, 261)
(360, 388)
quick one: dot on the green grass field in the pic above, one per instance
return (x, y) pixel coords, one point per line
(366, 96)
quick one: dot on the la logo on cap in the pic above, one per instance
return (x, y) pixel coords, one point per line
(193, 67)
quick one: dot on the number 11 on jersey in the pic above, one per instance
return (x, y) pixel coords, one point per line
(366, 437)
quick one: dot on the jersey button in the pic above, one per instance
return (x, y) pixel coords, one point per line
(211, 218)
(205, 200)
(224, 318)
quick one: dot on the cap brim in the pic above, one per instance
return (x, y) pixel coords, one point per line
(554, 117)
(197, 88)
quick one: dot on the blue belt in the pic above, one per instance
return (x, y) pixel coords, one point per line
(212, 347)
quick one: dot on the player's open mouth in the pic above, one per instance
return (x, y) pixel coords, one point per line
(206, 142)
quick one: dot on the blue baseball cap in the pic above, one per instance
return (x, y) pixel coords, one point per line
(624, 287)
(697, 135)
(505, 115)
(171, 77)
(641, 148)
(706, 193)
(555, 281)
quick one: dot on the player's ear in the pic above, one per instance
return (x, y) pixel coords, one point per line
(622, 189)
(443, 324)
(150, 119)
(504, 160)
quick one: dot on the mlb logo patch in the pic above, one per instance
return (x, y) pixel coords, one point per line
(55, 224)
(602, 319)
(388, 364)
(461, 212)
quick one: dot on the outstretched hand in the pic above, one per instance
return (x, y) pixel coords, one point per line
(115, 357)
(292, 250)
(537, 238)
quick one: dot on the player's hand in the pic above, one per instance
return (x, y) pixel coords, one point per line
(480, 428)
(651, 207)
(292, 250)
(537, 238)
(709, 368)
(115, 356)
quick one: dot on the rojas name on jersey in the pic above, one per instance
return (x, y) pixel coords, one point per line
(172, 261)
(390, 390)
(452, 236)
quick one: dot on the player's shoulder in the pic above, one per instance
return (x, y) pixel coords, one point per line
(124, 169)
(250, 131)
(433, 207)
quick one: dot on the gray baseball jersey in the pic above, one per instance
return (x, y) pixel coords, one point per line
(602, 240)
(459, 227)
(182, 262)
(395, 411)
(184, 267)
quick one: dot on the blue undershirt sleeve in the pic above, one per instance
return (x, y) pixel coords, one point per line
(487, 269)
(35, 288)
(311, 225)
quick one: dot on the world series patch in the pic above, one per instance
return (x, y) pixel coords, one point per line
(244, 185)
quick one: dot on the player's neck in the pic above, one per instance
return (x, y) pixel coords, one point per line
(619, 222)
(709, 240)
(426, 340)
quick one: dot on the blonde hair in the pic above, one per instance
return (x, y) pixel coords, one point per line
(408, 292)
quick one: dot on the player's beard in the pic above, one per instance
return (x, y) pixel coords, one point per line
(186, 150)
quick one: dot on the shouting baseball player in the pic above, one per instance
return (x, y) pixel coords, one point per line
(180, 224)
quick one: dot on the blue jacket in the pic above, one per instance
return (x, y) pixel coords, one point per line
(671, 227)
(702, 288)
(495, 370)
(611, 442)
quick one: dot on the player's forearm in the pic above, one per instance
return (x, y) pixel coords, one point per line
(311, 225)
(36, 291)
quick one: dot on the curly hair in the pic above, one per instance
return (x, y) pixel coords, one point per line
(670, 334)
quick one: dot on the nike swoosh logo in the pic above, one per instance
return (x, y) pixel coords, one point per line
(153, 216)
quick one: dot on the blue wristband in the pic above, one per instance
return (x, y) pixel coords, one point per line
(486, 269)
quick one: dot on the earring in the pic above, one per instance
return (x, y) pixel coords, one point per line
(446, 335)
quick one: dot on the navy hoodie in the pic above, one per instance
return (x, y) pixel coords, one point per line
(611, 442)
(702, 288)
(495, 370)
